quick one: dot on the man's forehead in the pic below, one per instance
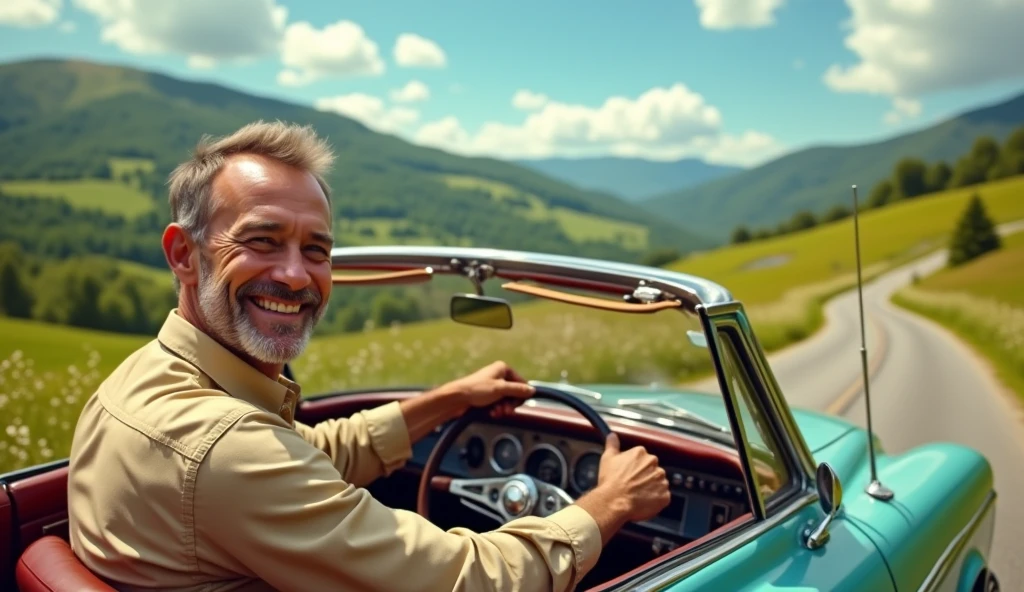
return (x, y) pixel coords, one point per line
(254, 186)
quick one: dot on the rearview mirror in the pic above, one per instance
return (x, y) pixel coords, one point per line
(481, 311)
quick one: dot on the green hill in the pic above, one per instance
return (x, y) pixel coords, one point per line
(818, 178)
(66, 121)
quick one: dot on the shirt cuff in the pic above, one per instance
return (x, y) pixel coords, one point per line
(584, 535)
(389, 435)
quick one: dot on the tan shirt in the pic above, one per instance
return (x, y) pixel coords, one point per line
(188, 472)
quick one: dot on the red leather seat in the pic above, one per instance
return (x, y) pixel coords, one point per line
(49, 565)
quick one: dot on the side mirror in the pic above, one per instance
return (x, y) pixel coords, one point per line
(830, 495)
(481, 311)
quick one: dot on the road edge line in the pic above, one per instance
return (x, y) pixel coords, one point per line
(842, 403)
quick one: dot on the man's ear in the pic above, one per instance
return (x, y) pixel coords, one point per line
(181, 254)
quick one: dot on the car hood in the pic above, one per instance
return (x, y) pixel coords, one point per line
(819, 430)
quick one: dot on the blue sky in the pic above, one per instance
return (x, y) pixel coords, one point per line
(749, 78)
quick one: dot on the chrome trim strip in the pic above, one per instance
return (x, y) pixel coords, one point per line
(731, 399)
(793, 440)
(696, 559)
(955, 548)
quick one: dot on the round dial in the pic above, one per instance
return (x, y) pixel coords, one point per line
(584, 474)
(474, 452)
(506, 453)
(548, 465)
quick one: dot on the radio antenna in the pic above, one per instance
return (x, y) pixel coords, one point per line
(875, 489)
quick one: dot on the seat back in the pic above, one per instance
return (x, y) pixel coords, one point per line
(49, 565)
(40, 505)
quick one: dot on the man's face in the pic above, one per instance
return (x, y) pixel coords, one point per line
(267, 280)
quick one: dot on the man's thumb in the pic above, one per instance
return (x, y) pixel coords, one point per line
(611, 444)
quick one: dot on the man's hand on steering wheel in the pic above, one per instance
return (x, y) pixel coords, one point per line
(489, 385)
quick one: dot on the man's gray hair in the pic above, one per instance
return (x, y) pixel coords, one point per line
(191, 182)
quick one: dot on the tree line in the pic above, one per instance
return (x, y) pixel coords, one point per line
(912, 178)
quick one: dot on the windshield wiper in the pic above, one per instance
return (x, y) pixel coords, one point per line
(674, 411)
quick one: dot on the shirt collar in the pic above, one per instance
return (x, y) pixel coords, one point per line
(231, 373)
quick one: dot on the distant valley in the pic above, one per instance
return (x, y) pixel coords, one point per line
(632, 179)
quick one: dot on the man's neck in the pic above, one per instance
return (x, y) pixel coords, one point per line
(188, 309)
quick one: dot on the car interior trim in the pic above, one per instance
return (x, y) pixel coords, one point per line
(407, 276)
(591, 302)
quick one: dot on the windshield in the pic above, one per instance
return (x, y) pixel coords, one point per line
(377, 337)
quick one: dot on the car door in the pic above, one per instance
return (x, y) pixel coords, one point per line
(771, 553)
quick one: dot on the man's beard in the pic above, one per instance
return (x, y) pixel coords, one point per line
(230, 321)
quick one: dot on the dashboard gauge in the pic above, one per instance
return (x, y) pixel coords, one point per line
(506, 453)
(547, 464)
(584, 474)
(474, 452)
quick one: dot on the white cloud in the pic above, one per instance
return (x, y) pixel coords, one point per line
(528, 100)
(204, 31)
(735, 14)
(413, 51)
(197, 62)
(662, 123)
(909, 48)
(370, 111)
(902, 108)
(443, 133)
(67, 27)
(29, 13)
(340, 49)
(413, 91)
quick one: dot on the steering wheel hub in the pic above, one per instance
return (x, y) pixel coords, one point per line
(518, 497)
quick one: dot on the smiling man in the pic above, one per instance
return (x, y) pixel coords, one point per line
(188, 470)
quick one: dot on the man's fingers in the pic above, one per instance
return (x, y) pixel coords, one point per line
(519, 390)
(611, 444)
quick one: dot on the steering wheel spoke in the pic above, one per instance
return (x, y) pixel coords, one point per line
(551, 499)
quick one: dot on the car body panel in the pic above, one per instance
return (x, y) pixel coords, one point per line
(777, 561)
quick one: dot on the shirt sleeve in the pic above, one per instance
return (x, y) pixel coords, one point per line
(368, 445)
(298, 526)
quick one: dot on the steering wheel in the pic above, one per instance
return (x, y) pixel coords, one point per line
(503, 498)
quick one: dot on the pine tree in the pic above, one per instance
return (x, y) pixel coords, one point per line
(975, 234)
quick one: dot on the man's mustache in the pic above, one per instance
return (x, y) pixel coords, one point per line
(275, 290)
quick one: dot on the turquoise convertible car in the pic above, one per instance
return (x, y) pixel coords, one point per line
(764, 496)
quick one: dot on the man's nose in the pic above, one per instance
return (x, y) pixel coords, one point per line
(291, 271)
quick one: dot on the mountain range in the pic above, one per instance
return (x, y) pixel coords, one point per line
(633, 179)
(68, 119)
(820, 177)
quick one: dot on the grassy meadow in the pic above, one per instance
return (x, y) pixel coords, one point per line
(982, 301)
(579, 226)
(111, 196)
(46, 372)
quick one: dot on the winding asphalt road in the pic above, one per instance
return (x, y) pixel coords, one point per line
(926, 385)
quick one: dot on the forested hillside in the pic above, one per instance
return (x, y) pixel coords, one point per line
(62, 120)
